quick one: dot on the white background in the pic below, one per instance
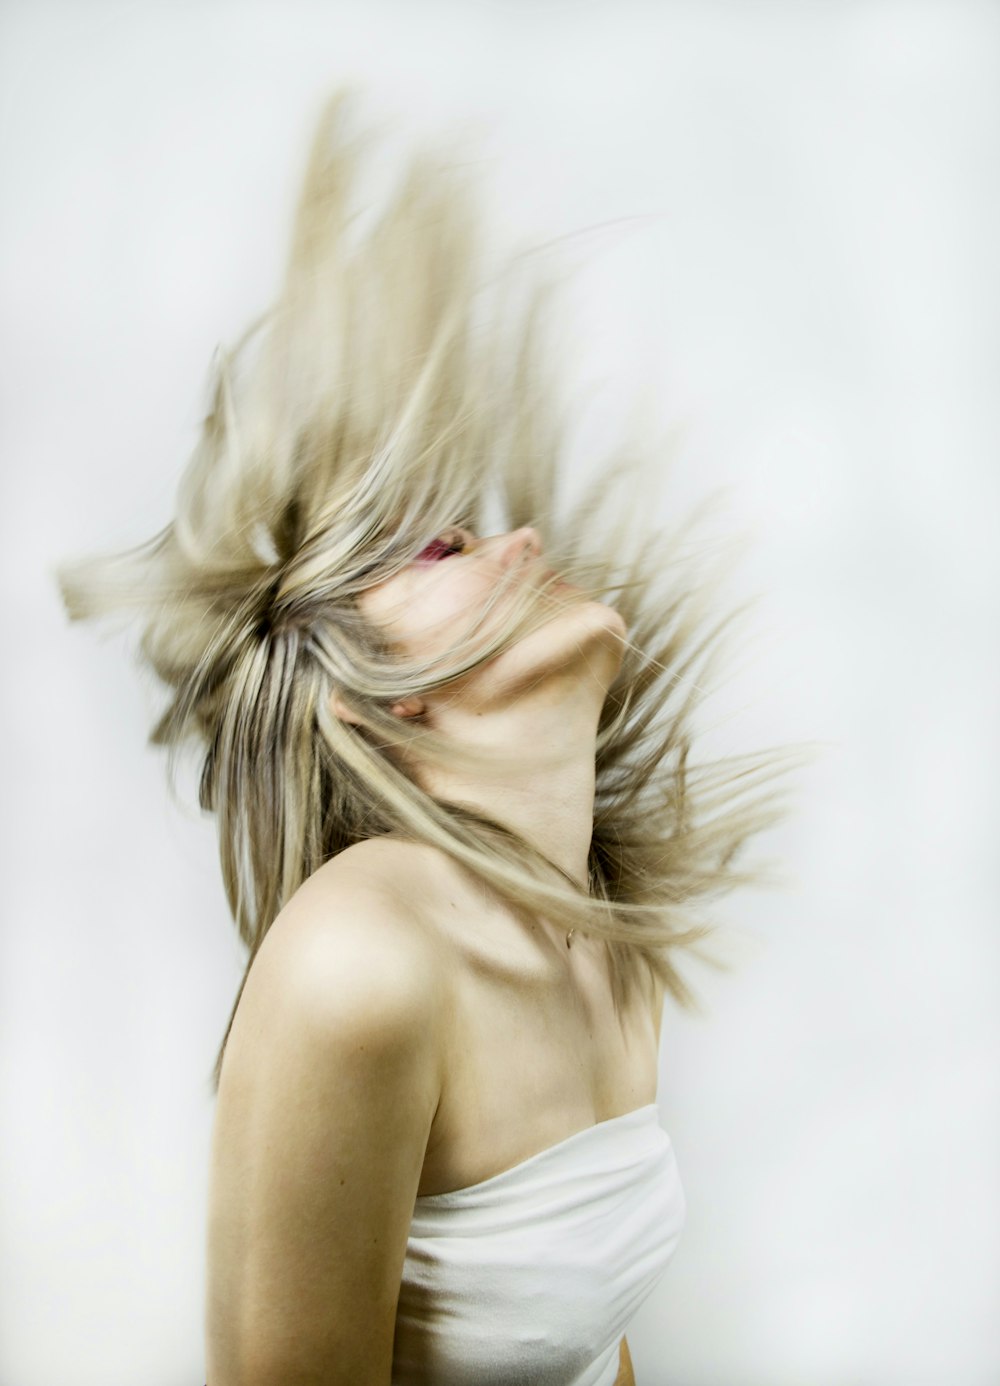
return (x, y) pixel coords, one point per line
(812, 290)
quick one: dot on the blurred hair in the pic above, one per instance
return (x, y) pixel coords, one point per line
(393, 390)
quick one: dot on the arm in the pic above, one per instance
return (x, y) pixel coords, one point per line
(328, 1089)
(625, 1375)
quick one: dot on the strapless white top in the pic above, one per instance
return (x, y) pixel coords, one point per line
(531, 1277)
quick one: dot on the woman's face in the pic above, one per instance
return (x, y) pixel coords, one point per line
(431, 603)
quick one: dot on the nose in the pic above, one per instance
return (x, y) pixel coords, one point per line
(518, 544)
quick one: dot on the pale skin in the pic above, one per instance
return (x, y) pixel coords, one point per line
(402, 1032)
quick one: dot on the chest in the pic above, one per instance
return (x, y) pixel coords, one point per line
(538, 1051)
(534, 1274)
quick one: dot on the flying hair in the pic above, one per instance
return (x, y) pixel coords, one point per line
(399, 386)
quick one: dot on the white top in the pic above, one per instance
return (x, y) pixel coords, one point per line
(533, 1275)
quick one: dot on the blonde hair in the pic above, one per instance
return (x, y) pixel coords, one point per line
(396, 389)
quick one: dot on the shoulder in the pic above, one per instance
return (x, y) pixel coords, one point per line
(351, 950)
(348, 972)
(389, 876)
(329, 1086)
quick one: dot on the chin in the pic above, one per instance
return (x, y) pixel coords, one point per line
(585, 639)
(611, 630)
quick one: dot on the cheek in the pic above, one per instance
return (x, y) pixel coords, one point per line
(425, 616)
(442, 615)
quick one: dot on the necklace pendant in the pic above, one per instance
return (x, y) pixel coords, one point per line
(569, 937)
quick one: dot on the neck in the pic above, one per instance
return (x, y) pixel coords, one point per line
(540, 778)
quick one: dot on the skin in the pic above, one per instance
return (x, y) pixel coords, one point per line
(401, 1032)
(547, 691)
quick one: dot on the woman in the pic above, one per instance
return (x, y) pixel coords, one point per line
(459, 829)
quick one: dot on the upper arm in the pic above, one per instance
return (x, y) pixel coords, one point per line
(626, 1374)
(327, 1093)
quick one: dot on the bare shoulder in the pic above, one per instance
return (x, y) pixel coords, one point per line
(329, 1086)
(353, 935)
(385, 877)
(352, 960)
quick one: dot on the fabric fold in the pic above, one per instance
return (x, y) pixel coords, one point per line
(534, 1274)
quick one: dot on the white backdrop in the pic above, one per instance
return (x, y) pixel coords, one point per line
(813, 292)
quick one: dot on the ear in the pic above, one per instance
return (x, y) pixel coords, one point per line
(407, 707)
(340, 709)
